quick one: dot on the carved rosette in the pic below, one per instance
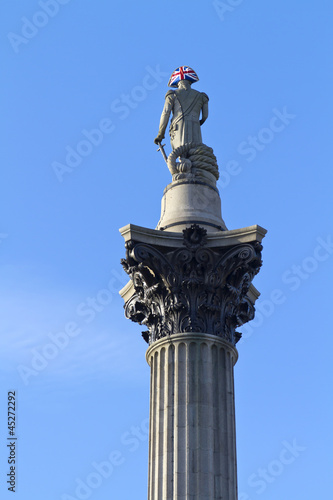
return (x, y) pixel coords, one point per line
(193, 288)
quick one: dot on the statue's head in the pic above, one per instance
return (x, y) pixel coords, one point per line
(183, 73)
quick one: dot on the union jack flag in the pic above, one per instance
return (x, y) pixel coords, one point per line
(182, 73)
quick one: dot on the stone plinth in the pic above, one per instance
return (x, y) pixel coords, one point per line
(192, 442)
(187, 202)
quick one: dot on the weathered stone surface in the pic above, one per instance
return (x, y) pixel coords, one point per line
(187, 202)
(199, 284)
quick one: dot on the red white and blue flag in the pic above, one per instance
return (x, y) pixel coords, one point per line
(182, 73)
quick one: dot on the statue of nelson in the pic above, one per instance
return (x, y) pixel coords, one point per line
(186, 105)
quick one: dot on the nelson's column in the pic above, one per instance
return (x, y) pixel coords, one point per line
(190, 286)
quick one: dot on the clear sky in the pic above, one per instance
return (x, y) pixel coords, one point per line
(82, 89)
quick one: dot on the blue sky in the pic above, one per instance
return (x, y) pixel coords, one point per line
(82, 89)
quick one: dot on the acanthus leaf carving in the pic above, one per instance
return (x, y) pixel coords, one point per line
(191, 289)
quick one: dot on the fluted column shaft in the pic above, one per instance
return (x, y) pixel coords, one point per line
(192, 440)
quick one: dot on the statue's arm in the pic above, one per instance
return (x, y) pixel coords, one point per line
(204, 109)
(168, 105)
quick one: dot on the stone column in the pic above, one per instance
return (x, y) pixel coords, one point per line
(191, 290)
(192, 442)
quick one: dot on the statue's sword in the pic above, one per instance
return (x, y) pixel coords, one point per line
(161, 148)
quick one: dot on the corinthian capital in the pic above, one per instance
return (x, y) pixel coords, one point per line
(193, 283)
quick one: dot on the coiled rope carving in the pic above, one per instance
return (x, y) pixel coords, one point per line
(193, 156)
